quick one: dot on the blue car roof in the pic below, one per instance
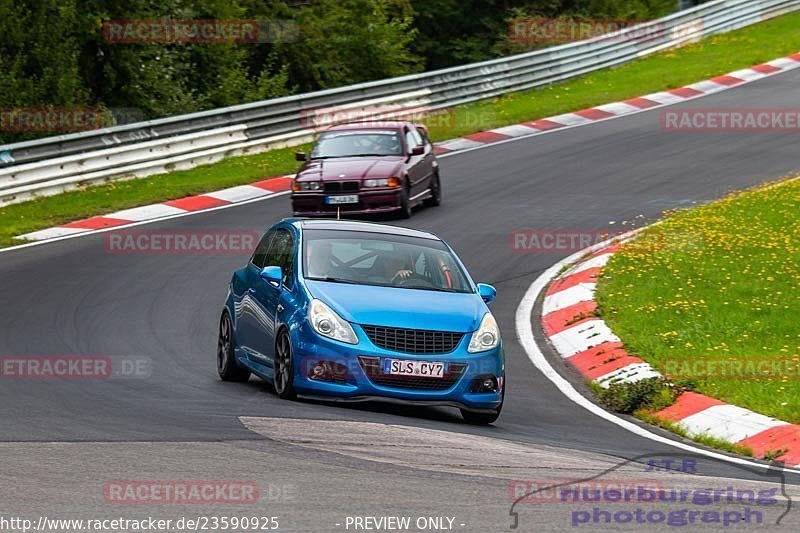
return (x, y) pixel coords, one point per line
(351, 225)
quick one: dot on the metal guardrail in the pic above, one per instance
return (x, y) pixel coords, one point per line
(54, 164)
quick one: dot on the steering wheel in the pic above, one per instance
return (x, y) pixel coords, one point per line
(402, 282)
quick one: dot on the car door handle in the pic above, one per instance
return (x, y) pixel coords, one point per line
(280, 308)
(251, 290)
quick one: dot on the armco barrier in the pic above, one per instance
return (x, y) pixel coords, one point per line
(54, 164)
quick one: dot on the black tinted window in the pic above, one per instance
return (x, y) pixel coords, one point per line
(260, 255)
(423, 135)
(281, 253)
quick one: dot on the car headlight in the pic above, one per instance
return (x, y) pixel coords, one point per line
(382, 182)
(486, 337)
(328, 324)
(307, 185)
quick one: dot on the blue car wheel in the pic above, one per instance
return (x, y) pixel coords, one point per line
(284, 367)
(227, 367)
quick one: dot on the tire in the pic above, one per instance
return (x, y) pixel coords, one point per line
(436, 192)
(480, 419)
(227, 367)
(283, 365)
(484, 419)
(405, 205)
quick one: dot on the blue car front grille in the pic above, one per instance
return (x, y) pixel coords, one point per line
(413, 341)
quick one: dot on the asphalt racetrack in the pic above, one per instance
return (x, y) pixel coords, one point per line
(64, 441)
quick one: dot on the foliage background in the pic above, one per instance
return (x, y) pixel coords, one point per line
(53, 53)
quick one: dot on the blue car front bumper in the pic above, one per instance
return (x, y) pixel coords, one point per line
(355, 372)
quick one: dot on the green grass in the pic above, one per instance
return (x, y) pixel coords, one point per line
(51, 211)
(711, 57)
(717, 286)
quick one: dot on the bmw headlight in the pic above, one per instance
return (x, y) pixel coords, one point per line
(307, 185)
(487, 337)
(328, 324)
(382, 182)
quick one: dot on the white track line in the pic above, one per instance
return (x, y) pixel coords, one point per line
(524, 316)
(628, 374)
(728, 422)
(515, 130)
(583, 292)
(582, 337)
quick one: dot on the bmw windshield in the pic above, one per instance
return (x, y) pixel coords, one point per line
(380, 259)
(358, 143)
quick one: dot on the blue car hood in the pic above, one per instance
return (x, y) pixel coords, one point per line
(401, 308)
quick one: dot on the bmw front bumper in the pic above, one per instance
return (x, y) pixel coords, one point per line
(370, 201)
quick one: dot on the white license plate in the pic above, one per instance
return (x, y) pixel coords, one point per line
(348, 199)
(403, 367)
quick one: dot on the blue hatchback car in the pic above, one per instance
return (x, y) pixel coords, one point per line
(354, 311)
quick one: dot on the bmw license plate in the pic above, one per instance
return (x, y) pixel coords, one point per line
(347, 199)
(401, 367)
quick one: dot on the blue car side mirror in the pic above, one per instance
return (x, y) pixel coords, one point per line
(272, 274)
(487, 292)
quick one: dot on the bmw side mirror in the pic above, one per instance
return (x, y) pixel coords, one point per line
(300, 156)
(272, 275)
(418, 150)
(487, 292)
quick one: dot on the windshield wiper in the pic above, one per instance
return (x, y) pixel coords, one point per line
(336, 280)
(372, 155)
(354, 155)
(437, 289)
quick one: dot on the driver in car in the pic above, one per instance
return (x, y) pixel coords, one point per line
(320, 257)
(396, 269)
(387, 145)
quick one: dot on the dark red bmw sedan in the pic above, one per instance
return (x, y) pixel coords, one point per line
(369, 167)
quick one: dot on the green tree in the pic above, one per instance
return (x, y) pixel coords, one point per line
(54, 53)
(39, 49)
(167, 79)
(454, 32)
(350, 41)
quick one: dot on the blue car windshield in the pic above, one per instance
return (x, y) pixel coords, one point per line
(367, 258)
(358, 143)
